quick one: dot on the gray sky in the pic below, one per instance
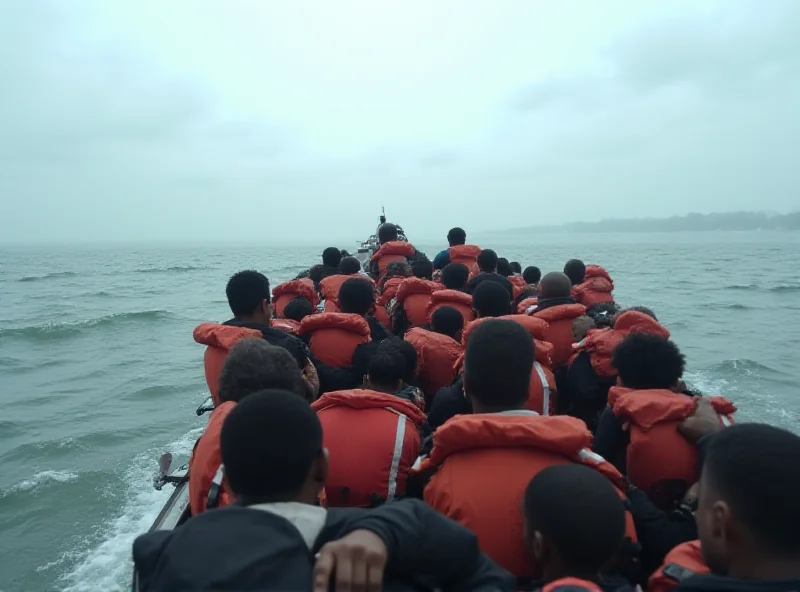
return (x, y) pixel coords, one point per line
(195, 120)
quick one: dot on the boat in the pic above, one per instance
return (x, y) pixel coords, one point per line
(368, 247)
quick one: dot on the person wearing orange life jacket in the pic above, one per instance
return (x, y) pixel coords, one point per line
(372, 435)
(284, 293)
(487, 272)
(330, 285)
(574, 528)
(590, 284)
(518, 284)
(458, 251)
(411, 304)
(438, 350)
(252, 365)
(331, 259)
(655, 456)
(454, 277)
(294, 312)
(559, 309)
(590, 374)
(483, 462)
(682, 562)
(396, 273)
(392, 250)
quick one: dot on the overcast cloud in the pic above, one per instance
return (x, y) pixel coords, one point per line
(251, 120)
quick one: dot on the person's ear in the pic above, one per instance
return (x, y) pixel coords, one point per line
(539, 548)
(266, 308)
(320, 470)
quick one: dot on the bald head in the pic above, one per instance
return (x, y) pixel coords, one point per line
(387, 233)
(555, 285)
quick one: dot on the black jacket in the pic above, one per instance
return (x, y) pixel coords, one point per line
(711, 583)
(320, 272)
(489, 277)
(584, 394)
(237, 548)
(378, 330)
(448, 402)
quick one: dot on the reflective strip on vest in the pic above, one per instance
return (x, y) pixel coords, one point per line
(725, 420)
(215, 491)
(399, 438)
(587, 456)
(545, 388)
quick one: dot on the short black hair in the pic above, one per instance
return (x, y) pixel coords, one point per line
(644, 310)
(422, 267)
(345, 253)
(356, 296)
(298, 308)
(555, 285)
(525, 294)
(349, 265)
(498, 363)
(516, 267)
(253, 365)
(504, 267)
(603, 314)
(246, 291)
(491, 299)
(387, 232)
(754, 467)
(268, 444)
(580, 512)
(331, 257)
(455, 276)
(447, 321)
(487, 260)
(648, 361)
(456, 236)
(575, 270)
(532, 274)
(387, 366)
(395, 269)
(405, 349)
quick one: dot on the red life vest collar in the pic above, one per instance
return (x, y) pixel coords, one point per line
(369, 399)
(464, 252)
(302, 287)
(560, 312)
(351, 323)
(222, 336)
(415, 285)
(393, 248)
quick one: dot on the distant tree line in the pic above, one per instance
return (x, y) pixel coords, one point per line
(690, 222)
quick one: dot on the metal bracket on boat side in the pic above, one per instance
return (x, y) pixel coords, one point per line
(163, 475)
(205, 406)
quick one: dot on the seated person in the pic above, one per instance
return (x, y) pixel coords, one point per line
(276, 538)
(331, 258)
(590, 284)
(284, 293)
(454, 278)
(410, 390)
(557, 307)
(372, 435)
(532, 275)
(487, 265)
(329, 287)
(293, 314)
(516, 267)
(411, 303)
(392, 250)
(458, 251)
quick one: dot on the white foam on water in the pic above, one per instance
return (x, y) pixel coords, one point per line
(39, 480)
(107, 566)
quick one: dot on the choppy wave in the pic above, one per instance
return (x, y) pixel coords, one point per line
(39, 480)
(739, 306)
(171, 269)
(64, 330)
(47, 276)
(743, 366)
(742, 287)
(785, 288)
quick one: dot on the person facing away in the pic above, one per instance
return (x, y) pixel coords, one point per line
(275, 537)
(329, 287)
(331, 258)
(574, 527)
(410, 390)
(487, 266)
(372, 433)
(483, 462)
(653, 453)
(557, 307)
(458, 251)
(746, 518)
(392, 249)
(516, 267)
(590, 284)
(532, 275)
(293, 313)
(454, 278)
(252, 365)
(413, 297)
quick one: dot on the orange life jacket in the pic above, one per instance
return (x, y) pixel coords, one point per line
(524, 305)
(373, 440)
(571, 585)
(461, 301)
(288, 325)
(284, 293)
(205, 465)
(597, 287)
(219, 339)
(437, 355)
(485, 463)
(466, 255)
(658, 456)
(559, 331)
(600, 344)
(414, 295)
(334, 336)
(542, 397)
(387, 294)
(683, 561)
(392, 252)
(329, 289)
(518, 284)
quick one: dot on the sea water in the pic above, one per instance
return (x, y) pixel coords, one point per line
(99, 373)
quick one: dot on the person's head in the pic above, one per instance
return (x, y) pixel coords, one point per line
(422, 267)
(497, 366)
(249, 296)
(455, 276)
(516, 267)
(648, 361)
(356, 296)
(504, 267)
(396, 269)
(574, 521)
(345, 253)
(271, 447)
(532, 275)
(575, 270)
(349, 266)
(487, 261)
(491, 299)
(387, 233)
(447, 321)
(386, 370)
(254, 365)
(298, 308)
(331, 257)
(409, 353)
(747, 514)
(456, 237)
(555, 285)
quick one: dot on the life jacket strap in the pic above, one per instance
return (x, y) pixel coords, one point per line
(677, 572)
(215, 491)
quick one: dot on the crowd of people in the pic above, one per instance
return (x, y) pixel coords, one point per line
(467, 424)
